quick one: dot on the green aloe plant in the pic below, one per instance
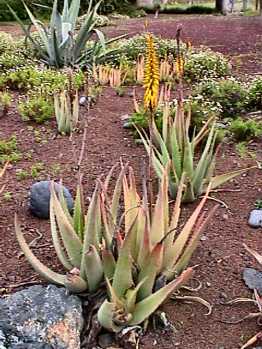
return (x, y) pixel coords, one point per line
(174, 146)
(58, 45)
(141, 255)
(79, 241)
(66, 111)
(152, 256)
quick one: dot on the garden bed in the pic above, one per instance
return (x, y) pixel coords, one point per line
(220, 257)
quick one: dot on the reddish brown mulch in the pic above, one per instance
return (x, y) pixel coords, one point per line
(220, 256)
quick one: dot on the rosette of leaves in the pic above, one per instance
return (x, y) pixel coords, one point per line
(153, 255)
(80, 242)
(175, 146)
(142, 254)
(58, 45)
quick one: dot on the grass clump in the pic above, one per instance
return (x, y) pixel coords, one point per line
(9, 151)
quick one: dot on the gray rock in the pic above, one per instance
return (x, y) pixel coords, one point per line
(39, 199)
(253, 279)
(255, 218)
(82, 100)
(40, 318)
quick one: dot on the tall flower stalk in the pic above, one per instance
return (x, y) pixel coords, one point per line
(151, 86)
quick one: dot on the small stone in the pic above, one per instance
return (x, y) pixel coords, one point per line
(225, 217)
(127, 125)
(39, 198)
(253, 279)
(82, 100)
(203, 238)
(255, 218)
(125, 117)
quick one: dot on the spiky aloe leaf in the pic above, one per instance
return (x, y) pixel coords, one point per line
(148, 306)
(109, 263)
(75, 284)
(57, 241)
(132, 295)
(221, 179)
(93, 268)
(78, 217)
(72, 242)
(149, 271)
(39, 267)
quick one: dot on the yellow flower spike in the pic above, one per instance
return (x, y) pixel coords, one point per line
(180, 63)
(152, 75)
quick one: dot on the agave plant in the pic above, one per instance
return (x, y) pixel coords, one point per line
(58, 45)
(152, 255)
(174, 145)
(79, 241)
(66, 111)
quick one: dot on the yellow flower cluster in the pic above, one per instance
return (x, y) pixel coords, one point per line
(180, 62)
(152, 76)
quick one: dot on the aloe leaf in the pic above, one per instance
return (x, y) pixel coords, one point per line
(148, 306)
(131, 296)
(39, 267)
(72, 243)
(123, 279)
(160, 215)
(93, 268)
(78, 217)
(193, 243)
(109, 263)
(149, 271)
(56, 241)
(73, 12)
(105, 316)
(75, 284)
(221, 179)
(117, 194)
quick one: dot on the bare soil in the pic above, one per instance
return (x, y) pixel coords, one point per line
(220, 256)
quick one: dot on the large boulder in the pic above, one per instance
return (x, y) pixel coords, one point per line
(40, 318)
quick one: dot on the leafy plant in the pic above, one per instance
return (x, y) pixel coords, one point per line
(59, 46)
(66, 111)
(9, 151)
(255, 94)
(229, 94)
(37, 108)
(5, 102)
(132, 253)
(173, 146)
(244, 130)
(6, 42)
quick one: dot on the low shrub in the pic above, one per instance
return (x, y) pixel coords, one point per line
(36, 107)
(205, 63)
(7, 42)
(244, 130)
(255, 94)
(9, 150)
(5, 102)
(229, 94)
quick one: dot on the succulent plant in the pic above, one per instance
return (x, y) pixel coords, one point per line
(58, 45)
(175, 147)
(141, 255)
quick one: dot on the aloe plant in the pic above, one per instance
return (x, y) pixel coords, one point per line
(78, 241)
(142, 257)
(152, 252)
(58, 45)
(174, 146)
(66, 111)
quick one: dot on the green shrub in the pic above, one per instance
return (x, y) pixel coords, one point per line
(6, 15)
(36, 108)
(5, 102)
(205, 63)
(135, 46)
(6, 42)
(244, 130)
(255, 94)
(181, 9)
(11, 60)
(32, 77)
(228, 94)
(9, 151)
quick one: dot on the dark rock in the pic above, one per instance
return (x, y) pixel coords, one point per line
(253, 279)
(40, 318)
(39, 199)
(255, 218)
